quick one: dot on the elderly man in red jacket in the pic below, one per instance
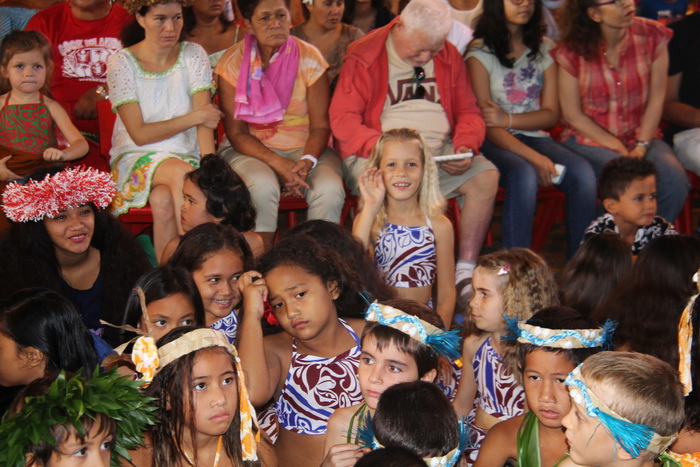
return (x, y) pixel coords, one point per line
(406, 75)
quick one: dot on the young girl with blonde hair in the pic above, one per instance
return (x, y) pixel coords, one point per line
(402, 216)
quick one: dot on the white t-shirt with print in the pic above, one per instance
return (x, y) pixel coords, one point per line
(402, 111)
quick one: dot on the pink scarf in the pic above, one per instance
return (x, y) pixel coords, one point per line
(263, 97)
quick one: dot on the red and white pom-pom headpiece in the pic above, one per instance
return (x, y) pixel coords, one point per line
(67, 189)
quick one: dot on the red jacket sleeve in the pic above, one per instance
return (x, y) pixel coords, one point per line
(349, 109)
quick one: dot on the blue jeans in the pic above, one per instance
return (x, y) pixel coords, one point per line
(519, 179)
(671, 181)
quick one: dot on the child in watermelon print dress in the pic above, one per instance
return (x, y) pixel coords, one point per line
(29, 118)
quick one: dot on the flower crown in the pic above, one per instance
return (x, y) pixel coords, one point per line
(150, 360)
(68, 402)
(559, 338)
(368, 440)
(67, 189)
(633, 437)
(444, 343)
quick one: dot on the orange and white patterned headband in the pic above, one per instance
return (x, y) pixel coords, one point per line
(150, 361)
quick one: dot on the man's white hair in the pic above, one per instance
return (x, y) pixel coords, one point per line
(431, 17)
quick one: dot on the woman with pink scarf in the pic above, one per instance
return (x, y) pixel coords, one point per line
(274, 94)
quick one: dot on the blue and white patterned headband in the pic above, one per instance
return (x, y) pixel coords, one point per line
(633, 437)
(367, 440)
(559, 338)
(444, 343)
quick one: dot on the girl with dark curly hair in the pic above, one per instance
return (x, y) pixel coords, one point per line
(63, 239)
(310, 369)
(515, 83)
(215, 193)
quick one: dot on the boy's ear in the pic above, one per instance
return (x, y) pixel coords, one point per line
(429, 377)
(333, 289)
(610, 205)
(622, 454)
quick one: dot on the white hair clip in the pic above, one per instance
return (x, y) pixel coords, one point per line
(504, 270)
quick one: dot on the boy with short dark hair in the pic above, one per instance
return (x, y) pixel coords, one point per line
(626, 410)
(551, 344)
(628, 190)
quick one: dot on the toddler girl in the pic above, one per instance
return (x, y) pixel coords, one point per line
(402, 342)
(512, 283)
(215, 193)
(402, 217)
(203, 410)
(216, 255)
(310, 369)
(28, 118)
(172, 300)
(66, 421)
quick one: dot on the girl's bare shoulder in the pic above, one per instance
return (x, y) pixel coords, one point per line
(279, 343)
(441, 224)
(471, 344)
(339, 420)
(357, 325)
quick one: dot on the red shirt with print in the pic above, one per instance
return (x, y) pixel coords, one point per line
(81, 50)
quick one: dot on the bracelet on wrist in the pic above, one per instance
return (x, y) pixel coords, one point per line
(309, 157)
(644, 144)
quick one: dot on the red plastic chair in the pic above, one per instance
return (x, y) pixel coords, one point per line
(684, 223)
(137, 220)
(551, 208)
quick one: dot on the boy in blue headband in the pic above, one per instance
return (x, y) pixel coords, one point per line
(626, 410)
(550, 345)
